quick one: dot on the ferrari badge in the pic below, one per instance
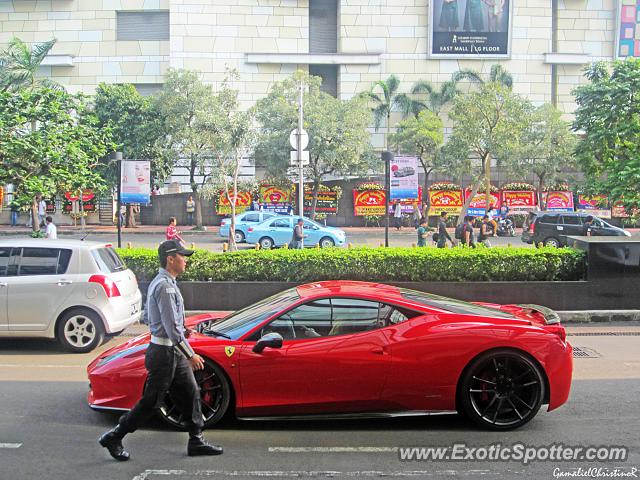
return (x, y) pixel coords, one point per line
(229, 351)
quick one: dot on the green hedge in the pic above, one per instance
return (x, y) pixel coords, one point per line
(372, 264)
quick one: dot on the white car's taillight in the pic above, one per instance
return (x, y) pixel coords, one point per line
(110, 287)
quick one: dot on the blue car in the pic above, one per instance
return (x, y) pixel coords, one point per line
(278, 231)
(243, 221)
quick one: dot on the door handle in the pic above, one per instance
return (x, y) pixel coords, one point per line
(378, 350)
(3, 284)
(64, 282)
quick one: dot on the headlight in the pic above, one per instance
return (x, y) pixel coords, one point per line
(627, 233)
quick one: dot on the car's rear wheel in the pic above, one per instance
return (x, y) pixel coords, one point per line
(552, 242)
(215, 395)
(266, 243)
(79, 330)
(502, 390)
(239, 236)
(327, 242)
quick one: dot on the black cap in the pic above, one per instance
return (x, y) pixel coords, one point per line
(171, 247)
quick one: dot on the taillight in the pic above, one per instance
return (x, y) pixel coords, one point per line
(110, 287)
(532, 227)
(250, 229)
(557, 330)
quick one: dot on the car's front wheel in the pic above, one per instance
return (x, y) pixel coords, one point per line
(552, 242)
(215, 395)
(80, 330)
(327, 242)
(266, 243)
(502, 390)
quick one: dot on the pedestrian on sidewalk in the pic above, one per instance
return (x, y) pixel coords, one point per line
(423, 233)
(42, 212)
(50, 232)
(172, 231)
(15, 211)
(170, 361)
(485, 231)
(467, 232)
(297, 237)
(443, 235)
(416, 215)
(191, 208)
(397, 215)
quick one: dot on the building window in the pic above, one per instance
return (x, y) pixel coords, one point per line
(143, 25)
(323, 26)
(329, 75)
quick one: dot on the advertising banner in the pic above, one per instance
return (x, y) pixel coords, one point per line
(449, 201)
(470, 28)
(72, 200)
(407, 205)
(136, 182)
(558, 201)
(628, 29)
(520, 201)
(243, 202)
(478, 206)
(327, 202)
(404, 178)
(594, 204)
(368, 202)
(275, 199)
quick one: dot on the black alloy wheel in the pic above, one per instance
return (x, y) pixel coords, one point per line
(502, 390)
(215, 394)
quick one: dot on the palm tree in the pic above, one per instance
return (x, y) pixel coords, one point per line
(497, 74)
(435, 99)
(19, 64)
(389, 102)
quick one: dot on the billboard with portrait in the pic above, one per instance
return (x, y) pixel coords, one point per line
(136, 182)
(470, 28)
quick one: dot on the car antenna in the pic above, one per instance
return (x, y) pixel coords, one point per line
(84, 236)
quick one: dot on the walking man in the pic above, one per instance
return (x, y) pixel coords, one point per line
(297, 238)
(397, 215)
(423, 233)
(443, 235)
(169, 360)
(191, 208)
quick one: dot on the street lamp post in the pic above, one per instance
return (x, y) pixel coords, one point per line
(117, 156)
(386, 158)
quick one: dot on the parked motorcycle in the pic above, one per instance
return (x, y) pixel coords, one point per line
(506, 227)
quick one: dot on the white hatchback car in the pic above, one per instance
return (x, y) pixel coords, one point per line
(71, 290)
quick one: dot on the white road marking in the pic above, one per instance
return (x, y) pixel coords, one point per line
(333, 449)
(10, 445)
(22, 365)
(325, 473)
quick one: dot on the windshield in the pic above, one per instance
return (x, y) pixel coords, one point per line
(452, 305)
(237, 324)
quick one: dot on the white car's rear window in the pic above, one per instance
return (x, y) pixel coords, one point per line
(108, 260)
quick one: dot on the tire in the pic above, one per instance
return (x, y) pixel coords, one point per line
(327, 242)
(79, 330)
(501, 390)
(551, 242)
(266, 243)
(239, 236)
(512, 232)
(215, 393)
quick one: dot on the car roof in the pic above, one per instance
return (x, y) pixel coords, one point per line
(349, 287)
(49, 243)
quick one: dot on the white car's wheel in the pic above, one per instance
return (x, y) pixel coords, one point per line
(80, 330)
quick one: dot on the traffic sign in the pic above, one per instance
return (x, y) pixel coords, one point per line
(294, 157)
(293, 139)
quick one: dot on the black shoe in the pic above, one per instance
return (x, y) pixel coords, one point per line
(198, 446)
(112, 441)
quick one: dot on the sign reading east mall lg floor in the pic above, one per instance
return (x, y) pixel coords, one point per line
(470, 28)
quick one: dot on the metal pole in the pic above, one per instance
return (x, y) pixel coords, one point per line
(386, 158)
(118, 158)
(300, 164)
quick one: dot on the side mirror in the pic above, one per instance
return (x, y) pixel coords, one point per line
(271, 340)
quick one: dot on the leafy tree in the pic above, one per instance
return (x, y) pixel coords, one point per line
(59, 155)
(497, 74)
(435, 99)
(183, 104)
(609, 115)
(138, 131)
(338, 137)
(488, 123)
(547, 148)
(389, 102)
(19, 64)
(422, 135)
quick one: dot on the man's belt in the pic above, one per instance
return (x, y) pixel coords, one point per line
(161, 341)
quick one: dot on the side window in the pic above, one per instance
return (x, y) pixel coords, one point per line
(571, 220)
(309, 226)
(281, 223)
(353, 316)
(251, 217)
(267, 216)
(553, 219)
(312, 319)
(43, 261)
(5, 253)
(390, 315)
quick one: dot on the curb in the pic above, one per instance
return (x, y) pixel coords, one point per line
(599, 316)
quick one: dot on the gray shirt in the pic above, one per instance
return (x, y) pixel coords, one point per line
(164, 311)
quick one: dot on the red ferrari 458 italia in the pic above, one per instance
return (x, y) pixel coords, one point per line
(356, 349)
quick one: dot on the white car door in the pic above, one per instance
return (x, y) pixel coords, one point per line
(5, 253)
(38, 289)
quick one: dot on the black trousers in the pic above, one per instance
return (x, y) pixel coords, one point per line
(168, 372)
